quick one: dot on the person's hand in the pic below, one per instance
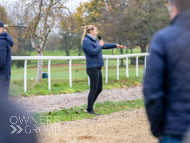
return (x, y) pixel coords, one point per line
(6, 26)
(101, 43)
(120, 46)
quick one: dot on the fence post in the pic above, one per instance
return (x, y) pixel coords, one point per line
(127, 67)
(137, 63)
(106, 70)
(117, 68)
(70, 73)
(145, 62)
(49, 74)
(88, 80)
(25, 75)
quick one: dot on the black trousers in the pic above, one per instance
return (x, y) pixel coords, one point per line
(95, 75)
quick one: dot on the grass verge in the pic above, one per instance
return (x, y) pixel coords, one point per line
(78, 113)
(62, 86)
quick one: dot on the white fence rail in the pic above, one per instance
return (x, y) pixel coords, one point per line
(70, 58)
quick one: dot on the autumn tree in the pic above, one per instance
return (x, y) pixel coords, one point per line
(42, 16)
(70, 34)
(109, 15)
(125, 21)
(90, 12)
(114, 22)
(12, 31)
(148, 16)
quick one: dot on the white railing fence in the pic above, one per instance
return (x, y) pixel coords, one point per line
(70, 58)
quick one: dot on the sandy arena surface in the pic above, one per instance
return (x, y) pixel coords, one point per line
(121, 127)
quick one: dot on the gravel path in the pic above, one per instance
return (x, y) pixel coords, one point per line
(56, 102)
(120, 127)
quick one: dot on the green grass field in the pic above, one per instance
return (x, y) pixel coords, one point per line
(60, 80)
(60, 76)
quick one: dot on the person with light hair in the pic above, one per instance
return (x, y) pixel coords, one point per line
(94, 62)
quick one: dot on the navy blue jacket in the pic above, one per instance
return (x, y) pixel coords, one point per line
(166, 84)
(93, 52)
(6, 42)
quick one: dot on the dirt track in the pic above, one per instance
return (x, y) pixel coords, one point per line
(122, 127)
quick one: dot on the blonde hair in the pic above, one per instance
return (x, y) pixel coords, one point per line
(87, 29)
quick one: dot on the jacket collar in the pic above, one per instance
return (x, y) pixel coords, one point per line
(91, 36)
(184, 16)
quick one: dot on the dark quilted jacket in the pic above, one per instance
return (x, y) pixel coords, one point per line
(6, 43)
(167, 80)
(93, 52)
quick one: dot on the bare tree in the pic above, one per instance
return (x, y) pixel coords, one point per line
(42, 15)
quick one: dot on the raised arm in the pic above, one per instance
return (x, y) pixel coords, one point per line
(111, 46)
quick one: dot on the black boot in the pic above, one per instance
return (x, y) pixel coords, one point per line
(92, 112)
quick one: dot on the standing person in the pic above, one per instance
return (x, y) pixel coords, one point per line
(167, 79)
(6, 42)
(94, 62)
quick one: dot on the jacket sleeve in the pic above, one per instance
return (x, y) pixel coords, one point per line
(109, 46)
(89, 49)
(153, 86)
(3, 51)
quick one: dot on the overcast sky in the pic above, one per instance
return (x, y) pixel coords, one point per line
(72, 4)
(75, 3)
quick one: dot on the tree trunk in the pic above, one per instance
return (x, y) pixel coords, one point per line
(67, 53)
(131, 50)
(126, 50)
(79, 52)
(143, 48)
(80, 49)
(40, 68)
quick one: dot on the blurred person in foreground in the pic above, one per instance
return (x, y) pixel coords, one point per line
(14, 125)
(94, 62)
(166, 84)
(6, 42)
